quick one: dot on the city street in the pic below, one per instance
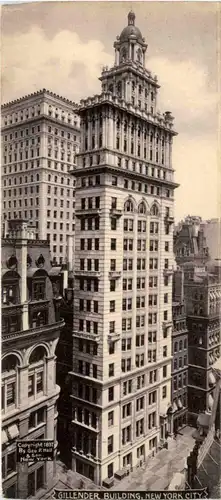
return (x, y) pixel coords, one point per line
(159, 470)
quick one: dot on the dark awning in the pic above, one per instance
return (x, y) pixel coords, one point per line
(11, 273)
(55, 271)
(33, 270)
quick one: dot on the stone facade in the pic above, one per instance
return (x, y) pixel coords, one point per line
(180, 354)
(202, 294)
(121, 377)
(30, 332)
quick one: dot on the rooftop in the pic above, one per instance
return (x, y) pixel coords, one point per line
(38, 93)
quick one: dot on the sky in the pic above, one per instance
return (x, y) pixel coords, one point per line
(62, 46)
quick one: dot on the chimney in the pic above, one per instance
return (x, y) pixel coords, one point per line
(18, 230)
(70, 246)
(178, 285)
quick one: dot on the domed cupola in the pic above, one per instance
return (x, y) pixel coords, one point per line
(130, 45)
(131, 30)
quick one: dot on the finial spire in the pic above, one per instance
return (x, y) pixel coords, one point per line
(131, 18)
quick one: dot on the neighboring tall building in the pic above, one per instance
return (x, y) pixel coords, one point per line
(121, 378)
(202, 290)
(40, 137)
(190, 242)
(204, 462)
(30, 332)
(212, 232)
(180, 354)
(197, 239)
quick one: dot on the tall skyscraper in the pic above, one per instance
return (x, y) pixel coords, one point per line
(40, 137)
(123, 268)
(121, 379)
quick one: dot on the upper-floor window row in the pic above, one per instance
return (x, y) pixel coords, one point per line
(126, 184)
(32, 111)
(90, 203)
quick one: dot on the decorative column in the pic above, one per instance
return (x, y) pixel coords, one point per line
(22, 480)
(133, 347)
(170, 153)
(116, 62)
(104, 130)
(110, 130)
(50, 430)
(50, 382)
(129, 135)
(23, 387)
(21, 253)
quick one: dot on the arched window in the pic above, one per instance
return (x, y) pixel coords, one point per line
(139, 56)
(142, 208)
(37, 355)
(123, 54)
(10, 285)
(36, 373)
(37, 177)
(119, 88)
(154, 210)
(128, 206)
(9, 382)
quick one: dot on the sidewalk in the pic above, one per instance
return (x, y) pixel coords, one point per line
(157, 474)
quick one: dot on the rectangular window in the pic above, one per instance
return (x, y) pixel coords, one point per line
(111, 370)
(111, 393)
(113, 244)
(110, 418)
(112, 327)
(110, 444)
(112, 305)
(164, 391)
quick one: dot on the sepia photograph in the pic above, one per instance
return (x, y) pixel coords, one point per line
(110, 250)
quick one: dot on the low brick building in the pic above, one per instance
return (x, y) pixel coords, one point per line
(30, 331)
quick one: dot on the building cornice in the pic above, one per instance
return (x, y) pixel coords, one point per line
(39, 118)
(82, 172)
(164, 121)
(129, 67)
(33, 332)
(31, 243)
(43, 92)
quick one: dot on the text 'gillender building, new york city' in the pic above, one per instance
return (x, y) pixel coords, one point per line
(121, 379)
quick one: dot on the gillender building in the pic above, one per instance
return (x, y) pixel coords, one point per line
(121, 377)
(30, 333)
